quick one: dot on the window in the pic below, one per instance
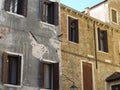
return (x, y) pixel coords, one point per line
(115, 87)
(16, 6)
(11, 69)
(51, 76)
(73, 30)
(114, 16)
(102, 40)
(50, 12)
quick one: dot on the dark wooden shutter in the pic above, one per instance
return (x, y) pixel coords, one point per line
(19, 70)
(50, 17)
(25, 8)
(56, 76)
(56, 13)
(7, 5)
(43, 16)
(77, 32)
(43, 78)
(4, 73)
(87, 76)
(69, 28)
(105, 41)
(20, 7)
(99, 44)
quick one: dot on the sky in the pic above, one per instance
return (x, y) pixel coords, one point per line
(80, 5)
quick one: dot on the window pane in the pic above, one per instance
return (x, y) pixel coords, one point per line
(114, 16)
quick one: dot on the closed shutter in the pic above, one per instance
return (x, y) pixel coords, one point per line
(25, 8)
(105, 41)
(56, 76)
(4, 73)
(99, 44)
(114, 16)
(56, 13)
(7, 5)
(19, 71)
(43, 16)
(87, 76)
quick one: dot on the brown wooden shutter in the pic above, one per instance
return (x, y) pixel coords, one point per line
(105, 41)
(77, 32)
(19, 71)
(56, 76)
(43, 16)
(7, 5)
(4, 73)
(87, 76)
(56, 13)
(69, 28)
(43, 73)
(114, 16)
(25, 8)
(99, 43)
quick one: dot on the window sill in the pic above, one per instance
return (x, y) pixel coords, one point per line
(73, 42)
(45, 89)
(18, 15)
(47, 23)
(103, 52)
(10, 85)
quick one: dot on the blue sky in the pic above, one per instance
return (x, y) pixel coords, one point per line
(80, 5)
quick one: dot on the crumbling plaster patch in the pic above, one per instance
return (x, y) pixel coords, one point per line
(38, 50)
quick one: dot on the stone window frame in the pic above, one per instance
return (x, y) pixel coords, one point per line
(77, 38)
(93, 75)
(53, 8)
(16, 8)
(21, 72)
(98, 40)
(54, 66)
(117, 21)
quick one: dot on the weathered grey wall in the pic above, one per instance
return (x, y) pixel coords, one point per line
(18, 40)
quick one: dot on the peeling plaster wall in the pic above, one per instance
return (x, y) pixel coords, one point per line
(17, 39)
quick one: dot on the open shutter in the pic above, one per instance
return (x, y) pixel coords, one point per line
(56, 76)
(56, 13)
(4, 73)
(43, 72)
(43, 16)
(20, 7)
(50, 17)
(105, 41)
(7, 5)
(69, 28)
(25, 8)
(76, 31)
(99, 44)
(19, 71)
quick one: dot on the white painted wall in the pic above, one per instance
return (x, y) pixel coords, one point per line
(100, 12)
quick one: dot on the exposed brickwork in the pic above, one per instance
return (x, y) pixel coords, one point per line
(74, 54)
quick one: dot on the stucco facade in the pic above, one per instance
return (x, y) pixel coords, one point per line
(83, 62)
(35, 41)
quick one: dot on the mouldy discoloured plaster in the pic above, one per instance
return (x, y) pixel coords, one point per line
(38, 50)
(3, 31)
(56, 44)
